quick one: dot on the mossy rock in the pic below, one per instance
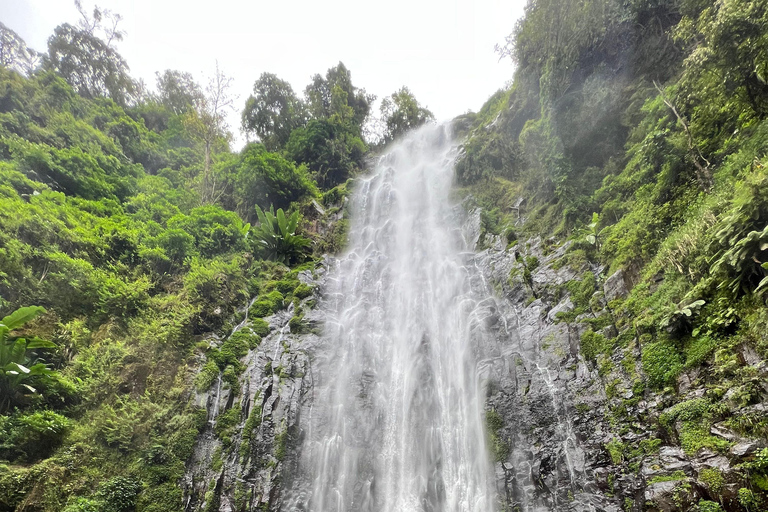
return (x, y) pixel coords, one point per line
(260, 327)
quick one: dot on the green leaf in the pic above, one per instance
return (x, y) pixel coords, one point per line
(282, 222)
(293, 222)
(20, 367)
(21, 316)
(40, 343)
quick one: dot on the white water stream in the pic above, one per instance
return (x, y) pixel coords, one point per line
(397, 420)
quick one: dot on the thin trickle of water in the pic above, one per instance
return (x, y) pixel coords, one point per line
(397, 417)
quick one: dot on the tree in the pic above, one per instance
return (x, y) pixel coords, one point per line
(331, 148)
(15, 54)
(178, 91)
(90, 65)
(19, 366)
(401, 112)
(328, 96)
(102, 20)
(208, 124)
(273, 111)
(265, 178)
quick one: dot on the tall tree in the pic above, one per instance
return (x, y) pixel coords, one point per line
(273, 111)
(401, 112)
(208, 124)
(324, 96)
(178, 91)
(90, 65)
(15, 54)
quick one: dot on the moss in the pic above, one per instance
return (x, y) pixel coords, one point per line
(296, 324)
(249, 429)
(593, 344)
(493, 426)
(661, 362)
(677, 475)
(208, 374)
(229, 377)
(709, 506)
(216, 460)
(225, 425)
(302, 291)
(286, 286)
(615, 449)
(281, 443)
(245, 337)
(267, 304)
(260, 327)
(713, 479)
(695, 436)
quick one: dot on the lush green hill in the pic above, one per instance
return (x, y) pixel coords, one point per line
(637, 131)
(128, 218)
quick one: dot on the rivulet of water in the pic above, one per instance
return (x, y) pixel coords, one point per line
(397, 417)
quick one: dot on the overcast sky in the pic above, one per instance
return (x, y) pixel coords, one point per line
(442, 50)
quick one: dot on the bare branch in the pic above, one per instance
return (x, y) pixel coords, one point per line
(703, 173)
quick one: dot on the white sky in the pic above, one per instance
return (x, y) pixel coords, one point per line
(443, 50)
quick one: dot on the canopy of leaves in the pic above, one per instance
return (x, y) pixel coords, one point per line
(273, 111)
(90, 65)
(265, 178)
(401, 112)
(331, 149)
(338, 81)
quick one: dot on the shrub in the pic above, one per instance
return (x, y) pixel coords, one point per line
(661, 362)
(709, 506)
(31, 436)
(204, 380)
(276, 238)
(593, 344)
(119, 494)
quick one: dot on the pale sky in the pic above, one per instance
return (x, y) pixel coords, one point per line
(442, 50)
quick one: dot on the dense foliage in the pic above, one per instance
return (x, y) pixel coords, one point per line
(126, 222)
(637, 130)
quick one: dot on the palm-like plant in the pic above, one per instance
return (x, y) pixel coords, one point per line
(276, 236)
(17, 368)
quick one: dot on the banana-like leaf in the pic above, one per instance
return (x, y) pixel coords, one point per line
(293, 222)
(261, 216)
(19, 367)
(39, 343)
(282, 222)
(21, 316)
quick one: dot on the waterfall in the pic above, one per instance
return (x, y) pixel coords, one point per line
(397, 417)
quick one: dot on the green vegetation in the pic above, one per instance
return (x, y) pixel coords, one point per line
(636, 132)
(499, 448)
(276, 236)
(140, 235)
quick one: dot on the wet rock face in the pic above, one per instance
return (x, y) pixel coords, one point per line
(555, 438)
(245, 453)
(552, 457)
(584, 436)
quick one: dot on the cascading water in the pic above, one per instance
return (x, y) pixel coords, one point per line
(397, 417)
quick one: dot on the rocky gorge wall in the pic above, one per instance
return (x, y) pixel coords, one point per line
(567, 433)
(600, 439)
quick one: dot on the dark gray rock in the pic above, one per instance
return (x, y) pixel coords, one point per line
(744, 448)
(615, 287)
